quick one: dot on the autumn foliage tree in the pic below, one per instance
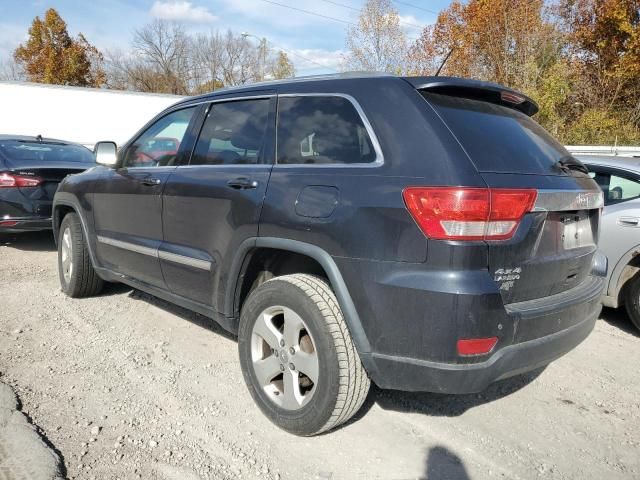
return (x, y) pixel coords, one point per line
(579, 59)
(282, 67)
(51, 55)
(604, 54)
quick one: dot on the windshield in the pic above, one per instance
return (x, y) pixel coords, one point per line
(499, 139)
(24, 153)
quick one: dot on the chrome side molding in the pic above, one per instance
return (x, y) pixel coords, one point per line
(156, 253)
(184, 260)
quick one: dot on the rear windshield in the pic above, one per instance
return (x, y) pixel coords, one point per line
(497, 138)
(21, 153)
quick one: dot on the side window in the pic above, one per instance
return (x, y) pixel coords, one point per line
(321, 130)
(616, 187)
(159, 145)
(622, 189)
(233, 133)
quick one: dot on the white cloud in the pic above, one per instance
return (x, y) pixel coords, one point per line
(412, 25)
(311, 61)
(181, 11)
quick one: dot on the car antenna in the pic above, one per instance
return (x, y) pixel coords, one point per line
(444, 61)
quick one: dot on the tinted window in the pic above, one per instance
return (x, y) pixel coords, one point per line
(21, 153)
(321, 130)
(159, 145)
(499, 139)
(233, 133)
(616, 188)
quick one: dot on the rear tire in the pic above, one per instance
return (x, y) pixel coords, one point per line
(78, 278)
(296, 318)
(632, 300)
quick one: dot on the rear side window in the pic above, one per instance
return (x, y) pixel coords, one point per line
(233, 133)
(23, 153)
(322, 130)
(497, 138)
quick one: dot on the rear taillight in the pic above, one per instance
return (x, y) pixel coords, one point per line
(461, 213)
(9, 180)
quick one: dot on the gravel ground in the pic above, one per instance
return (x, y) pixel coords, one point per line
(127, 386)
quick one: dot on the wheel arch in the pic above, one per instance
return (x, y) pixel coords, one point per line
(59, 212)
(63, 204)
(319, 257)
(627, 267)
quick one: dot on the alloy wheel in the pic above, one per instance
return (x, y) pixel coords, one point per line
(284, 357)
(67, 255)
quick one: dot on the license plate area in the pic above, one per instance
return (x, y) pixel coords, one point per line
(576, 230)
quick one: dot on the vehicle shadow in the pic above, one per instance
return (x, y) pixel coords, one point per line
(29, 241)
(443, 464)
(183, 313)
(617, 317)
(443, 405)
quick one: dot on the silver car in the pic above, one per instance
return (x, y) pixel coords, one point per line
(619, 178)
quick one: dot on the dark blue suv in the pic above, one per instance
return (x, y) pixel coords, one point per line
(420, 233)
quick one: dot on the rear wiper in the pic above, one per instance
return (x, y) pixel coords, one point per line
(566, 164)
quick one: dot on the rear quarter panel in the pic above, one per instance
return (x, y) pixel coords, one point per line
(370, 220)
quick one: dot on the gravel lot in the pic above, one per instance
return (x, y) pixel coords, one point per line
(127, 386)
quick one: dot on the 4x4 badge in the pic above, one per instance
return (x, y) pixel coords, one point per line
(507, 277)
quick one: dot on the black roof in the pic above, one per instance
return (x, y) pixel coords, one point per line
(461, 86)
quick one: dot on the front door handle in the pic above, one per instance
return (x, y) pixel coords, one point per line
(151, 182)
(629, 221)
(242, 183)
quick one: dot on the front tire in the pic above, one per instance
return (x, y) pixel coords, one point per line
(297, 356)
(78, 278)
(632, 300)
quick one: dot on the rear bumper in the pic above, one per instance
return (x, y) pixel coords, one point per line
(30, 213)
(415, 375)
(24, 224)
(413, 317)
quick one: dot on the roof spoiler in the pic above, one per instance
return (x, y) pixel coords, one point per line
(486, 91)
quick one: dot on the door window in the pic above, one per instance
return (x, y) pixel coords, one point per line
(233, 133)
(616, 187)
(322, 130)
(158, 146)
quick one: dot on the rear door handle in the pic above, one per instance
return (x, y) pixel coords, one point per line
(151, 182)
(242, 183)
(629, 221)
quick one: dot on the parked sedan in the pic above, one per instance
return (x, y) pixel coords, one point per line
(30, 170)
(619, 178)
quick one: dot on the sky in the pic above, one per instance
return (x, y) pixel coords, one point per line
(315, 43)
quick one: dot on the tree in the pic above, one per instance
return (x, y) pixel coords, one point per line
(164, 49)
(604, 39)
(51, 55)
(504, 41)
(282, 67)
(11, 71)
(579, 59)
(377, 43)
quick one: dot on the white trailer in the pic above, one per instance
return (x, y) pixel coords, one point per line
(76, 114)
(616, 150)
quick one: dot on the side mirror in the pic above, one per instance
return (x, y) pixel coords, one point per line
(106, 153)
